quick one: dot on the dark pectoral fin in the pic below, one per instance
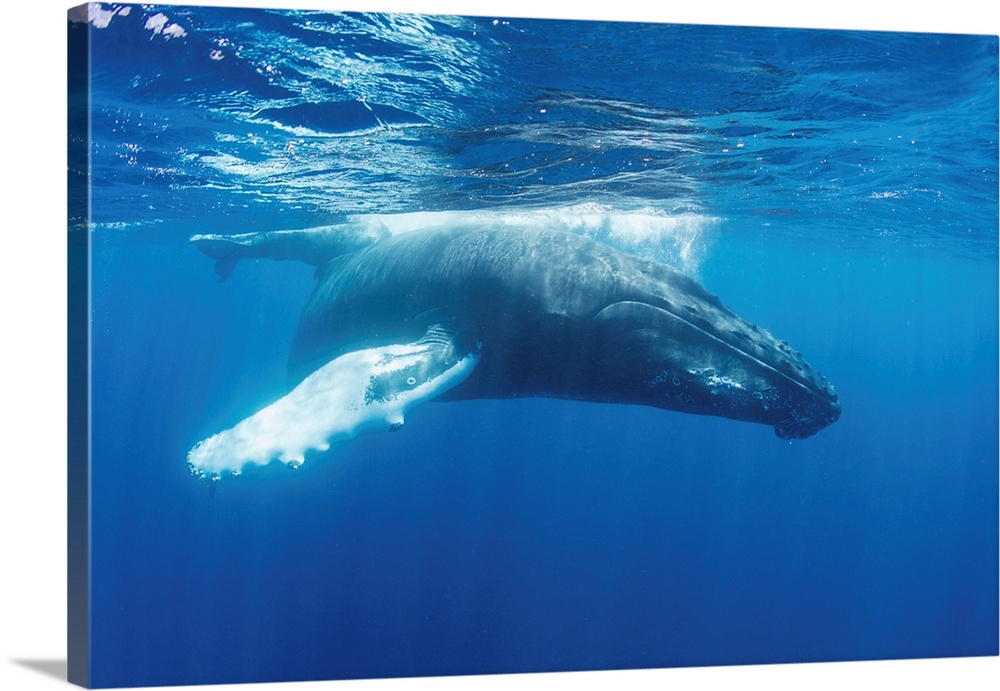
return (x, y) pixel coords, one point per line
(225, 267)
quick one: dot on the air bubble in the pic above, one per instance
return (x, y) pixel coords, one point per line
(411, 381)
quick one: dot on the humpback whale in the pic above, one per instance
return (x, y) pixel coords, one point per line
(471, 313)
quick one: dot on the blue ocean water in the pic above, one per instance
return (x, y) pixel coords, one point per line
(838, 188)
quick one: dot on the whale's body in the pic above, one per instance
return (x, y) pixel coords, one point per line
(502, 313)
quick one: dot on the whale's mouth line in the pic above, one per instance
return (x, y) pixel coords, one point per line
(832, 398)
(797, 425)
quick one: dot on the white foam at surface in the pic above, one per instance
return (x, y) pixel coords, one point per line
(677, 239)
(100, 17)
(327, 406)
(159, 24)
(175, 31)
(156, 22)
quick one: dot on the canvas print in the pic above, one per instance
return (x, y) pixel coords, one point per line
(407, 345)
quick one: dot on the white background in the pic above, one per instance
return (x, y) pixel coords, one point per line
(32, 338)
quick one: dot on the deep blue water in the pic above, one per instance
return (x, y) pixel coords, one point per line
(838, 188)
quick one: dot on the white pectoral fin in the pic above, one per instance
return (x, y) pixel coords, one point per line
(365, 389)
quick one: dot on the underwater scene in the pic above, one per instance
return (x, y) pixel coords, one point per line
(438, 345)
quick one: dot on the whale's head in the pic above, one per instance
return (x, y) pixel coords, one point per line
(692, 354)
